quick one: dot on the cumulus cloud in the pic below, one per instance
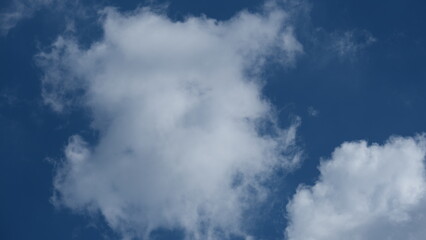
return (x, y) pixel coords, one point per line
(186, 138)
(364, 192)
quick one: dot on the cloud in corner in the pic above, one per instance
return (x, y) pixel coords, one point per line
(19, 10)
(364, 192)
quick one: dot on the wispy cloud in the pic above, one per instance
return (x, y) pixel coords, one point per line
(312, 111)
(349, 44)
(19, 10)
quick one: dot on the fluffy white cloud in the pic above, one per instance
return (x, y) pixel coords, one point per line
(364, 192)
(186, 137)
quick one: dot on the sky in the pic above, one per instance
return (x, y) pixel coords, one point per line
(215, 120)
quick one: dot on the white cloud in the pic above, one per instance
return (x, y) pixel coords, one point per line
(181, 119)
(364, 192)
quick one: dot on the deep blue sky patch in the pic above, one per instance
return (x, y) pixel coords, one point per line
(348, 80)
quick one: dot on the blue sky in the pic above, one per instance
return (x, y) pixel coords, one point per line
(212, 120)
